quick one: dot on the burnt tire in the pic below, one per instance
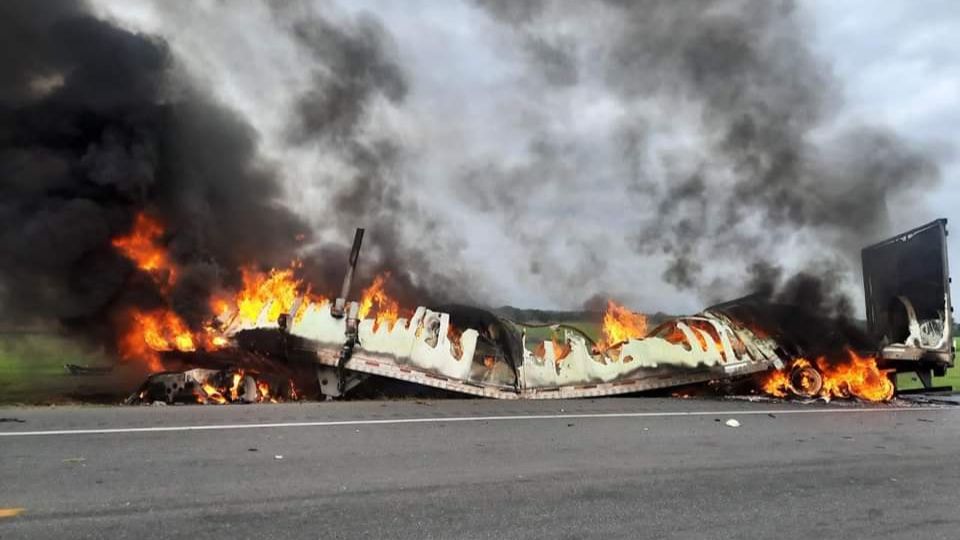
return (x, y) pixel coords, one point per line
(806, 381)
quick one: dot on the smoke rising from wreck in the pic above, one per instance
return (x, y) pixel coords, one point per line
(767, 168)
(102, 123)
(98, 125)
(354, 67)
(619, 146)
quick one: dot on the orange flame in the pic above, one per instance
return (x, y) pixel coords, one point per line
(229, 389)
(560, 350)
(163, 330)
(150, 332)
(133, 346)
(854, 376)
(776, 384)
(219, 305)
(620, 324)
(211, 394)
(236, 378)
(859, 377)
(455, 337)
(374, 296)
(263, 390)
(158, 330)
(142, 246)
(153, 331)
(276, 291)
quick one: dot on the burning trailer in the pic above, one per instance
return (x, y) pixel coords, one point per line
(280, 328)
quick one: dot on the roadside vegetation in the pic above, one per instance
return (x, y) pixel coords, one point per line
(32, 365)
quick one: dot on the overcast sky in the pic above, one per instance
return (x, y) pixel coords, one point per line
(899, 63)
(469, 111)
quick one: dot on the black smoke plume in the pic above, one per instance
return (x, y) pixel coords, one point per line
(98, 124)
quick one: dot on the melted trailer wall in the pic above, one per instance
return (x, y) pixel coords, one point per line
(425, 350)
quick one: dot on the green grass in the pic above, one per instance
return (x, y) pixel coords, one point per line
(537, 334)
(909, 381)
(31, 366)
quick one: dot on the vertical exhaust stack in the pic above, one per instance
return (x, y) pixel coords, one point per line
(351, 310)
(340, 305)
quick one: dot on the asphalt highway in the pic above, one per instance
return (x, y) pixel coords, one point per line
(606, 468)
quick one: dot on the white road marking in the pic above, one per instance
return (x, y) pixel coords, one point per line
(440, 420)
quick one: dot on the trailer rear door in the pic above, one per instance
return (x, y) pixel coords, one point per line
(907, 292)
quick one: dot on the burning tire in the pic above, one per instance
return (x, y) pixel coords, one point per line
(805, 381)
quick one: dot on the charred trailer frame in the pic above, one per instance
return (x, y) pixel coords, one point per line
(906, 281)
(473, 351)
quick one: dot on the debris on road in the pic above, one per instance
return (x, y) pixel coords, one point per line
(214, 386)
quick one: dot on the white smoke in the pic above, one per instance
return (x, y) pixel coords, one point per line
(530, 173)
